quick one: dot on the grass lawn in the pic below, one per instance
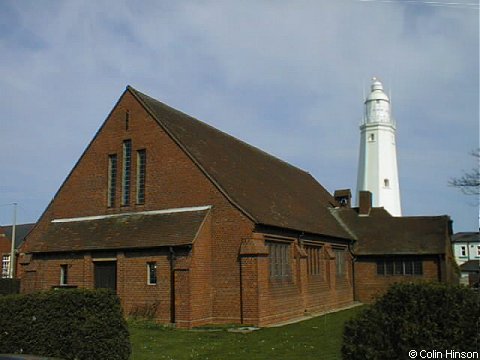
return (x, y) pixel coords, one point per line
(318, 338)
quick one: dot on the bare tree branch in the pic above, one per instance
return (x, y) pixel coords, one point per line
(469, 183)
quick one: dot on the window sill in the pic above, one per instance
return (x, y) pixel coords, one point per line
(402, 275)
(281, 282)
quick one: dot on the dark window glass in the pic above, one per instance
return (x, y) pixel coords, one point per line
(152, 273)
(380, 267)
(340, 262)
(279, 257)
(141, 173)
(63, 274)
(408, 267)
(112, 179)
(389, 267)
(126, 171)
(418, 267)
(398, 267)
(314, 260)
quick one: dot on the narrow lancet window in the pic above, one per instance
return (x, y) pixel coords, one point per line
(126, 171)
(64, 274)
(141, 173)
(112, 179)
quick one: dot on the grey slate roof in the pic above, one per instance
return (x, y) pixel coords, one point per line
(466, 237)
(21, 231)
(383, 234)
(470, 266)
(268, 190)
(122, 232)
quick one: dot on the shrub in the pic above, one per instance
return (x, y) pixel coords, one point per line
(427, 316)
(69, 324)
(9, 286)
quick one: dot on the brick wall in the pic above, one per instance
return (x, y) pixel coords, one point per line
(369, 285)
(304, 293)
(267, 300)
(172, 181)
(213, 284)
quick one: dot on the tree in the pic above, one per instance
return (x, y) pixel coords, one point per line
(469, 183)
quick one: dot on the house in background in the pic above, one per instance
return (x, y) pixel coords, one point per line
(390, 249)
(21, 231)
(470, 273)
(193, 226)
(466, 248)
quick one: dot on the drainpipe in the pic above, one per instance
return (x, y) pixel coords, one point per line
(354, 259)
(172, 285)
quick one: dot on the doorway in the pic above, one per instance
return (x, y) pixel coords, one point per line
(105, 275)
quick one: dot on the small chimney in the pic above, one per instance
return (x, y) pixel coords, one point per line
(365, 202)
(343, 197)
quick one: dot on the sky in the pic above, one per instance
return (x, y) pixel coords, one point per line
(285, 76)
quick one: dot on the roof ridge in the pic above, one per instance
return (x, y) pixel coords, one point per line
(334, 212)
(292, 186)
(217, 130)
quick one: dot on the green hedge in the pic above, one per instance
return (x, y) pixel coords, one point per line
(69, 324)
(426, 316)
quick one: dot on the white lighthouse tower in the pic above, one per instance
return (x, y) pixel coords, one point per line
(377, 166)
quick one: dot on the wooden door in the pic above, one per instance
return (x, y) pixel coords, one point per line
(105, 275)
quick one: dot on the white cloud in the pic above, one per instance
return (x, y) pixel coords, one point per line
(284, 76)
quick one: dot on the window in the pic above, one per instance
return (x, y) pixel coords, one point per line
(152, 273)
(127, 165)
(141, 170)
(417, 268)
(408, 268)
(380, 267)
(371, 137)
(399, 266)
(279, 257)
(478, 250)
(386, 183)
(314, 260)
(112, 179)
(463, 250)
(64, 274)
(127, 120)
(389, 267)
(5, 266)
(340, 262)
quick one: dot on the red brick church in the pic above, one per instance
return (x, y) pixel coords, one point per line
(192, 226)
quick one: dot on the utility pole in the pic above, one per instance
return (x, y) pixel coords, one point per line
(12, 251)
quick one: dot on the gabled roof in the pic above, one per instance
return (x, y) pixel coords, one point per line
(267, 190)
(466, 237)
(122, 231)
(470, 266)
(21, 231)
(379, 233)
